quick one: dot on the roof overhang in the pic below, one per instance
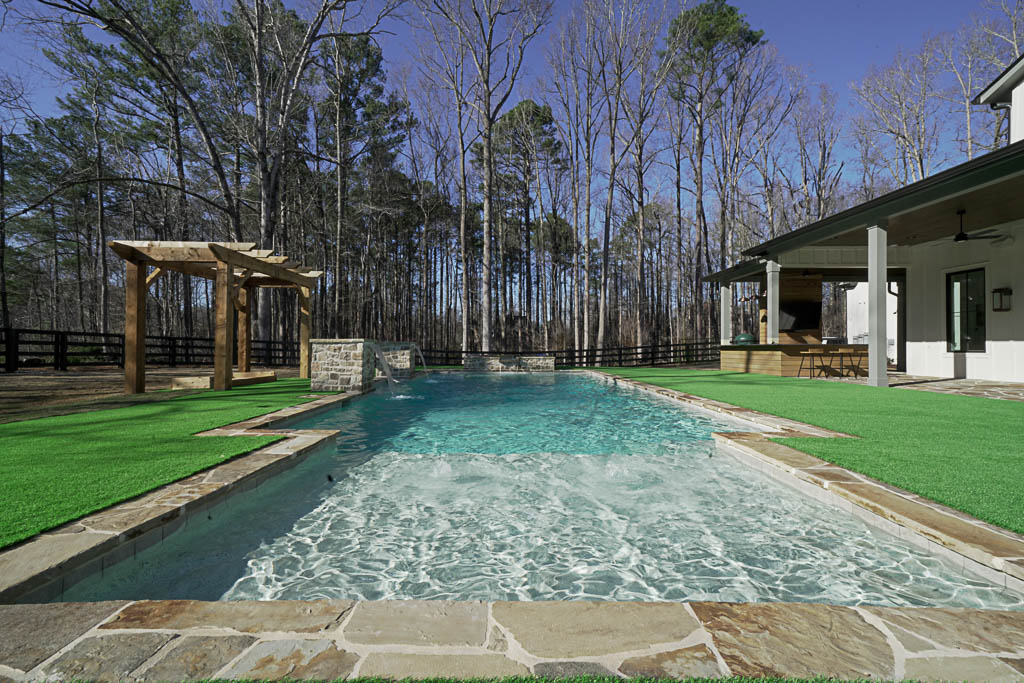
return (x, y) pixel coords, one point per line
(999, 91)
(990, 188)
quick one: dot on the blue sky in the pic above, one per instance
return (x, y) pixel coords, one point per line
(833, 41)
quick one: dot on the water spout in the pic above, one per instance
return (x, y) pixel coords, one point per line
(379, 353)
(422, 359)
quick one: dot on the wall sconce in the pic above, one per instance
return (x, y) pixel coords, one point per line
(1001, 298)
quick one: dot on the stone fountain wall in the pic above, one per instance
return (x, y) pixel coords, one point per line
(475, 363)
(401, 357)
(350, 364)
(341, 365)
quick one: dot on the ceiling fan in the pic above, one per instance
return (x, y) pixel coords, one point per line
(963, 236)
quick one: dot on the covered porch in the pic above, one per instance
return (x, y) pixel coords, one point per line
(948, 247)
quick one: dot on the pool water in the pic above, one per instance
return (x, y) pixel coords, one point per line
(531, 487)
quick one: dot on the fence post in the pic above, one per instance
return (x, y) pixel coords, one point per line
(172, 353)
(60, 351)
(10, 350)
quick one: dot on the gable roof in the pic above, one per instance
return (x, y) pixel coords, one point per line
(998, 91)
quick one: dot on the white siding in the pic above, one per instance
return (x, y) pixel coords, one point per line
(1003, 359)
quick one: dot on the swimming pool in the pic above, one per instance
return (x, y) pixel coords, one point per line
(531, 487)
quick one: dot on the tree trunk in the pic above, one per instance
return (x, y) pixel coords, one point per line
(5, 312)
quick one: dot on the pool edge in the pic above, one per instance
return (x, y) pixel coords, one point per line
(982, 549)
(42, 567)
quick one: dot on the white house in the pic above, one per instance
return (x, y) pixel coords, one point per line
(950, 246)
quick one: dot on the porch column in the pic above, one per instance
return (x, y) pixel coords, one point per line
(772, 282)
(878, 374)
(725, 313)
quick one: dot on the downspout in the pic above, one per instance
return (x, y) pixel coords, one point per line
(1004, 106)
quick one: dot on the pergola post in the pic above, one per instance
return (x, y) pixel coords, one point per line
(725, 313)
(772, 282)
(224, 326)
(878, 374)
(244, 330)
(305, 318)
(135, 291)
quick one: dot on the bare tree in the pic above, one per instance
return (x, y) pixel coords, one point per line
(575, 84)
(616, 23)
(902, 113)
(444, 60)
(641, 109)
(495, 34)
(816, 128)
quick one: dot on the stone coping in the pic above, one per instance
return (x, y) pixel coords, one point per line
(977, 547)
(40, 568)
(328, 639)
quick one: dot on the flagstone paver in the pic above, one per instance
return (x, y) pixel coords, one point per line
(107, 658)
(948, 628)
(181, 640)
(796, 640)
(419, 622)
(960, 669)
(296, 616)
(580, 629)
(696, 661)
(29, 634)
(197, 657)
(400, 666)
(296, 659)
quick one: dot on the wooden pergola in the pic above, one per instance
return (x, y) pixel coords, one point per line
(237, 268)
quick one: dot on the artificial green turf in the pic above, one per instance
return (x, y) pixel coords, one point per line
(56, 469)
(963, 451)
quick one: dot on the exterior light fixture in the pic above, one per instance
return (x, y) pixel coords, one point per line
(1001, 298)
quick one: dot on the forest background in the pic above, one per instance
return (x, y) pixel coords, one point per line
(469, 174)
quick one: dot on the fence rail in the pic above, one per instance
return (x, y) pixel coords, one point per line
(22, 348)
(58, 349)
(683, 353)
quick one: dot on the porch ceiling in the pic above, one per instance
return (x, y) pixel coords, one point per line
(996, 204)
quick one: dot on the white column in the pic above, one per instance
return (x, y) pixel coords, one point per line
(725, 313)
(772, 278)
(878, 374)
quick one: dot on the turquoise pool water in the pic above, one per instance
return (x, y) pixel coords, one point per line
(531, 487)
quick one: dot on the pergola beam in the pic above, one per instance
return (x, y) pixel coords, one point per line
(240, 260)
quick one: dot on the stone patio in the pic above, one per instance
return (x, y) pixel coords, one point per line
(1007, 391)
(185, 640)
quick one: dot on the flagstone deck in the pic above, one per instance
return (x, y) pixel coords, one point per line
(1007, 391)
(182, 640)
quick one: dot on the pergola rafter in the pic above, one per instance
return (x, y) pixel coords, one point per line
(237, 268)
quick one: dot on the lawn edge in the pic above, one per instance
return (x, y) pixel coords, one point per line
(40, 567)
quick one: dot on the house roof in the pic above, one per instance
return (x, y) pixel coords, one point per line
(990, 188)
(998, 91)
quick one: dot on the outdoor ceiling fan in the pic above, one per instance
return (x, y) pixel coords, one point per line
(982, 235)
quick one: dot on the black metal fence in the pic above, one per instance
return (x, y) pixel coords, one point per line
(57, 349)
(683, 353)
(20, 348)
